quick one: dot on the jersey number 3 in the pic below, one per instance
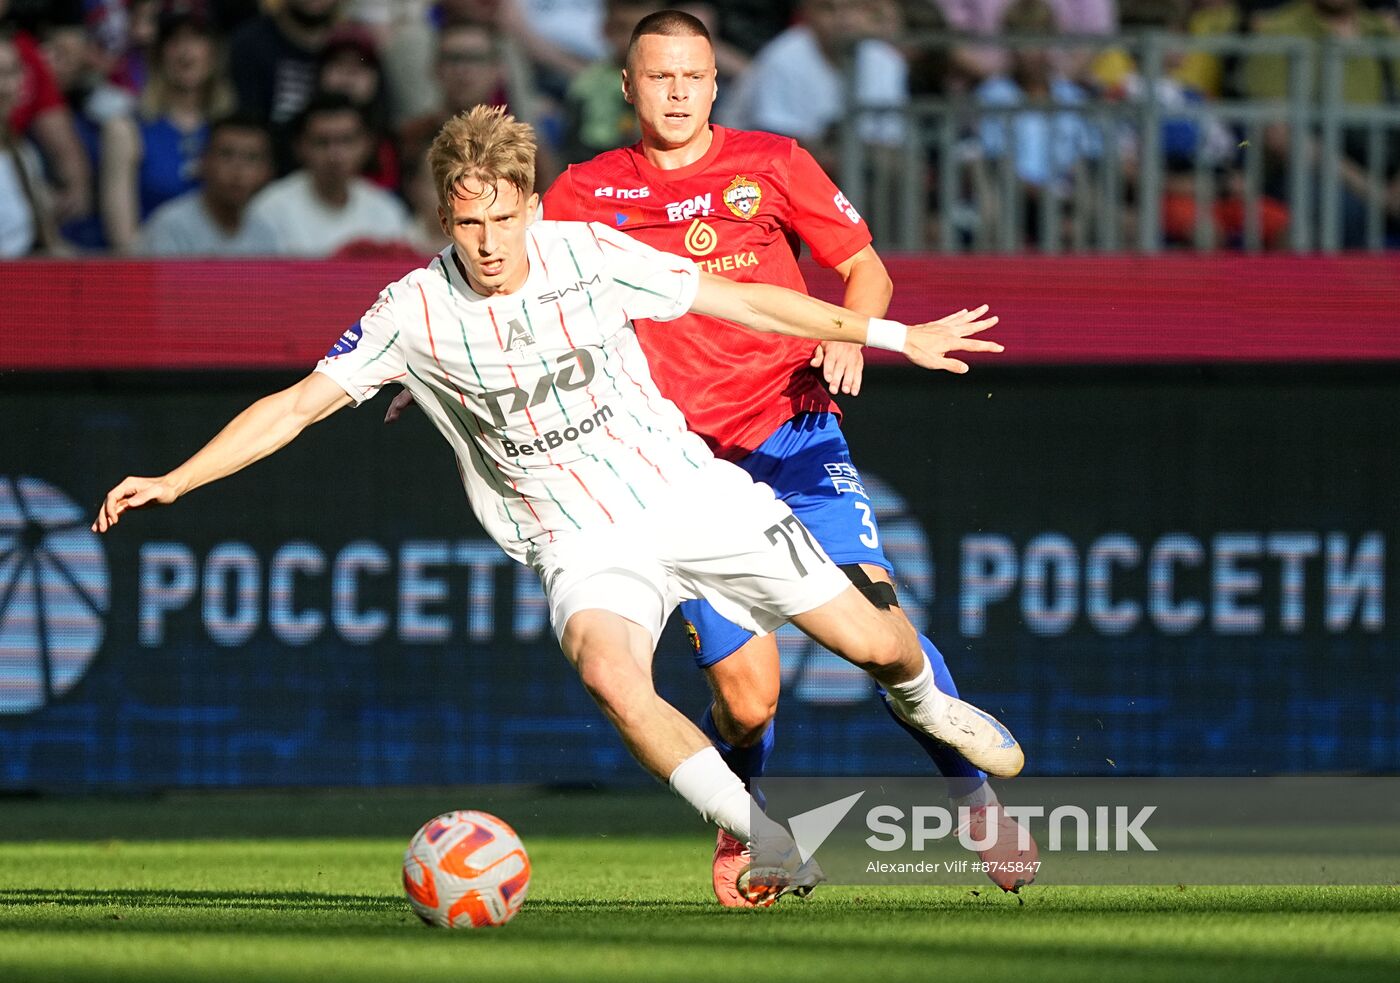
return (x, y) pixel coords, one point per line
(871, 539)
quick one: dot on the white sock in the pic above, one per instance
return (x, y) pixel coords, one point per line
(705, 781)
(919, 700)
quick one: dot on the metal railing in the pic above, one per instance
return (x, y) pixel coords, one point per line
(944, 188)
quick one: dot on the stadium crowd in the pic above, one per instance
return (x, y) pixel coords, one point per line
(298, 127)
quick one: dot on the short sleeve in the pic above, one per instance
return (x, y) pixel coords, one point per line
(655, 285)
(369, 354)
(821, 215)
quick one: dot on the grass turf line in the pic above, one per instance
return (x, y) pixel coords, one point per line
(197, 887)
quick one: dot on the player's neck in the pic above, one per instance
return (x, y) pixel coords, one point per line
(674, 158)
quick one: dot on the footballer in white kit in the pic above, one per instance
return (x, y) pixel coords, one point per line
(517, 342)
(572, 459)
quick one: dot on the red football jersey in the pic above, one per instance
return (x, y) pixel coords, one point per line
(739, 211)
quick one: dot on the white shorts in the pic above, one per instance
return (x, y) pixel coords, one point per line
(722, 538)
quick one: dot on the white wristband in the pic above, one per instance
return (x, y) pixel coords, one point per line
(886, 334)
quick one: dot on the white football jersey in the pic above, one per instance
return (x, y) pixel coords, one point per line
(544, 393)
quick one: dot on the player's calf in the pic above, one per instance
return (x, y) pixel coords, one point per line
(745, 685)
(880, 642)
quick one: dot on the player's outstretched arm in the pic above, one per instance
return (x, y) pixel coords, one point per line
(764, 307)
(269, 424)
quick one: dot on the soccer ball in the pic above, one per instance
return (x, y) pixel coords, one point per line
(466, 870)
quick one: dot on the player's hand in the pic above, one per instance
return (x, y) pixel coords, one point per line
(133, 493)
(842, 364)
(399, 403)
(928, 345)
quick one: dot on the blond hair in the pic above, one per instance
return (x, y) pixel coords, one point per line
(484, 144)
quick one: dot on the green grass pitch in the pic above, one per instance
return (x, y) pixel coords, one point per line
(304, 886)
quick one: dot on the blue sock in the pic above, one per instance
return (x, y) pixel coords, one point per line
(746, 762)
(962, 777)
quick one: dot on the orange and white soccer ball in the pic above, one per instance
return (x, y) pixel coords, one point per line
(466, 870)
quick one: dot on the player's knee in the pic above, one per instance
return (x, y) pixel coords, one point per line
(614, 683)
(742, 718)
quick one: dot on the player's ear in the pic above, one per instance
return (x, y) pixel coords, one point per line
(442, 221)
(532, 207)
(627, 88)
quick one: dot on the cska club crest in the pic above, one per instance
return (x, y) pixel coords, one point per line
(692, 634)
(743, 197)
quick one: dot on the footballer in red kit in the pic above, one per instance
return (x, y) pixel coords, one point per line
(738, 211)
(741, 204)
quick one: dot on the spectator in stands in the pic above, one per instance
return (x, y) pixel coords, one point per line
(148, 160)
(742, 27)
(1367, 81)
(1205, 71)
(1045, 146)
(78, 64)
(410, 55)
(326, 205)
(40, 114)
(272, 59)
(413, 69)
(1189, 143)
(470, 71)
(383, 18)
(930, 68)
(26, 213)
(213, 220)
(467, 72)
(420, 192)
(597, 115)
(547, 43)
(974, 63)
(561, 37)
(732, 60)
(797, 83)
(349, 66)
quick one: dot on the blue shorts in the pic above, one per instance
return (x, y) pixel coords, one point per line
(808, 465)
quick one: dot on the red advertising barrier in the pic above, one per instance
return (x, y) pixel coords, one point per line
(1062, 310)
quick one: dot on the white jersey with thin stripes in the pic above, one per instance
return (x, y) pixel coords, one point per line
(543, 393)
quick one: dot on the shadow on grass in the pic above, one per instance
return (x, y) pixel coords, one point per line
(215, 900)
(842, 937)
(303, 901)
(1038, 905)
